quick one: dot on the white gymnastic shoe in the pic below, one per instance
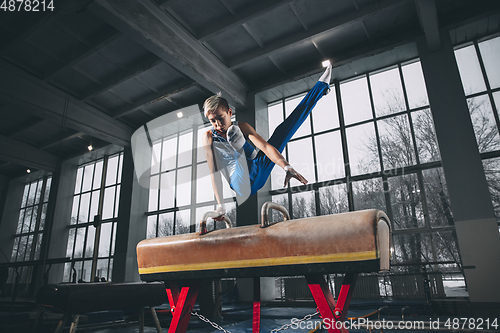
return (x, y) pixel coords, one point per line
(327, 76)
(236, 139)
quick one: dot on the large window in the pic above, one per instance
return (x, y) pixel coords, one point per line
(181, 189)
(97, 192)
(30, 227)
(370, 143)
(480, 74)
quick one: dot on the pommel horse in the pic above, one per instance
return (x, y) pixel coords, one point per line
(350, 243)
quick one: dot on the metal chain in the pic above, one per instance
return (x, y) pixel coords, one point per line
(295, 321)
(282, 328)
(208, 321)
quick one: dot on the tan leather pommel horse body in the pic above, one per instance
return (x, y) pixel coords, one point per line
(342, 243)
(351, 243)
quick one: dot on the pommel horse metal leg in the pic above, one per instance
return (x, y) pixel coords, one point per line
(181, 303)
(256, 305)
(326, 303)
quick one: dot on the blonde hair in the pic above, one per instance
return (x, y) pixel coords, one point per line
(213, 102)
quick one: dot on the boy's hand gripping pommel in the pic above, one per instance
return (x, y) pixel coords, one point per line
(221, 210)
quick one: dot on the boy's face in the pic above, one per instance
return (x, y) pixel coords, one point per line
(221, 119)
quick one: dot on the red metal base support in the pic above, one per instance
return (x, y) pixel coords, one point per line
(256, 305)
(181, 303)
(333, 314)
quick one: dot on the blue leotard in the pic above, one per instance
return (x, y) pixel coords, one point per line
(246, 176)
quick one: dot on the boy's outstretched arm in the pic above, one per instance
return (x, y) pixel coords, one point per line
(215, 176)
(271, 152)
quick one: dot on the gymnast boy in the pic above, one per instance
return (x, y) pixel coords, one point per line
(245, 168)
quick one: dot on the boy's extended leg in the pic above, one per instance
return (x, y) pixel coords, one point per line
(262, 166)
(284, 132)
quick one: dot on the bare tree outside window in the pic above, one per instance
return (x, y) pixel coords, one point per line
(29, 232)
(478, 66)
(388, 130)
(333, 199)
(492, 172)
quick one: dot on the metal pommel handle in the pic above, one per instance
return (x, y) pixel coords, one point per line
(213, 215)
(264, 213)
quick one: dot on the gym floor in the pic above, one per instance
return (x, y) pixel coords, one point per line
(237, 318)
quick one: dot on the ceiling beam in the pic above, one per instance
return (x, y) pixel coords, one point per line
(227, 6)
(103, 40)
(180, 21)
(277, 65)
(428, 17)
(252, 11)
(24, 126)
(166, 3)
(40, 48)
(20, 36)
(295, 11)
(253, 35)
(320, 51)
(20, 153)
(148, 112)
(4, 181)
(203, 90)
(67, 135)
(114, 80)
(45, 101)
(153, 98)
(465, 16)
(355, 4)
(347, 57)
(314, 31)
(150, 26)
(71, 33)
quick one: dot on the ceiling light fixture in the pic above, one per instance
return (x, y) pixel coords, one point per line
(28, 171)
(326, 63)
(179, 115)
(90, 147)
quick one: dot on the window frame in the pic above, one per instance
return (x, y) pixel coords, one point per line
(385, 174)
(80, 264)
